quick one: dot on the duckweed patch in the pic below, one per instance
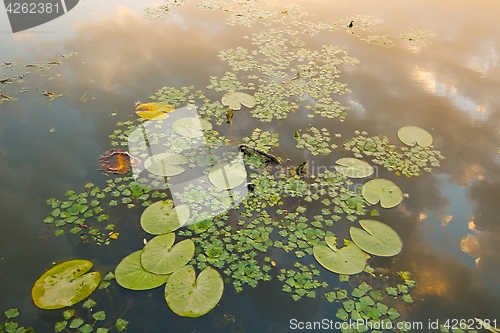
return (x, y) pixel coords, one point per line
(403, 160)
(300, 281)
(317, 142)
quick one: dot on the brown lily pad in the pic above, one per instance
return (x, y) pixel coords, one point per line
(117, 161)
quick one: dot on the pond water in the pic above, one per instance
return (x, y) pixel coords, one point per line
(435, 65)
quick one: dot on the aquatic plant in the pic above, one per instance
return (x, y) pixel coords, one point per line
(74, 323)
(377, 238)
(191, 296)
(383, 190)
(300, 282)
(403, 160)
(276, 76)
(354, 168)
(376, 306)
(317, 142)
(11, 326)
(65, 284)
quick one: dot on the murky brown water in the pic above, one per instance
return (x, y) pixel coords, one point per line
(449, 225)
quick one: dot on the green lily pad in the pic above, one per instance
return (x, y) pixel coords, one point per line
(226, 176)
(65, 284)
(383, 190)
(162, 217)
(160, 257)
(131, 275)
(412, 135)
(377, 238)
(191, 127)
(347, 260)
(354, 168)
(189, 296)
(166, 164)
(235, 99)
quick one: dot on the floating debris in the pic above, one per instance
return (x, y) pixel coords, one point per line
(247, 149)
(117, 161)
(48, 93)
(5, 97)
(301, 169)
(230, 116)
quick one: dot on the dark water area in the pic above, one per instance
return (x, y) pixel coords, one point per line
(449, 225)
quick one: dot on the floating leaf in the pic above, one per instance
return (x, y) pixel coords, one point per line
(11, 313)
(226, 176)
(121, 324)
(131, 275)
(60, 326)
(191, 127)
(75, 323)
(68, 314)
(377, 238)
(352, 167)
(100, 315)
(412, 135)
(189, 296)
(166, 164)
(160, 257)
(117, 161)
(162, 217)
(156, 111)
(235, 99)
(383, 190)
(347, 260)
(89, 304)
(65, 284)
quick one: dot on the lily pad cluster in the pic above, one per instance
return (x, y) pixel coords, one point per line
(317, 142)
(403, 160)
(98, 321)
(12, 326)
(161, 261)
(220, 225)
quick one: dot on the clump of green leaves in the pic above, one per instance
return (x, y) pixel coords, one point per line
(364, 302)
(297, 234)
(11, 326)
(263, 140)
(317, 142)
(219, 245)
(301, 282)
(406, 160)
(281, 79)
(96, 320)
(83, 213)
